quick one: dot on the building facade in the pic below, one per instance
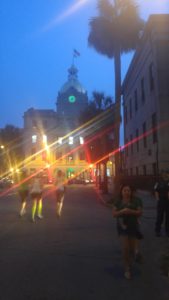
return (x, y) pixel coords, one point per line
(52, 140)
(146, 102)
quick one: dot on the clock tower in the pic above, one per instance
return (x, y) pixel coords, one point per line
(72, 98)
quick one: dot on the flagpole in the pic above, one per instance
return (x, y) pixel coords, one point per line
(73, 59)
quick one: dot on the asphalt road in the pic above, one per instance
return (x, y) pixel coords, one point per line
(76, 257)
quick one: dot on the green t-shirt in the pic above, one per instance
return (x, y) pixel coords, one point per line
(129, 220)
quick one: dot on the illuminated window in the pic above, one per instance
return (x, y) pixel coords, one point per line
(44, 139)
(34, 139)
(70, 158)
(70, 140)
(60, 140)
(81, 140)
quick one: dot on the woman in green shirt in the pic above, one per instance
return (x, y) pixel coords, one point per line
(127, 209)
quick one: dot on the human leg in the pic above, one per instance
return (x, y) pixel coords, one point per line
(126, 256)
(159, 218)
(167, 218)
(34, 209)
(23, 203)
(59, 204)
(40, 209)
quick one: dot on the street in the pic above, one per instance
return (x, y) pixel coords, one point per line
(76, 257)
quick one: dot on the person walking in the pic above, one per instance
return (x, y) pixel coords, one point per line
(60, 192)
(127, 209)
(23, 191)
(161, 189)
(36, 195)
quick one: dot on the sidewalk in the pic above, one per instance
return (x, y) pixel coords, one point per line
(155, 249)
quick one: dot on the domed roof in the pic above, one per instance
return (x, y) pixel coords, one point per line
(72, 81)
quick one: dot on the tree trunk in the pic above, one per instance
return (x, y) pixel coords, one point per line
(117, 66)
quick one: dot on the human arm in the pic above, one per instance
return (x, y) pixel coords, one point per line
(118, 213)
(156, 191)
(134, 209)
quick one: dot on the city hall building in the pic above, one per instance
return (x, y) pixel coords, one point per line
(52, 140)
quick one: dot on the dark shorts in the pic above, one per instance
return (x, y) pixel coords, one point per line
(130, 232)
(37, 196)
(23, 195)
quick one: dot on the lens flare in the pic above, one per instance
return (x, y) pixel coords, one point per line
(70, 10)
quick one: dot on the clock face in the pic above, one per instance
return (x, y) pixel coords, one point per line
(72, 99)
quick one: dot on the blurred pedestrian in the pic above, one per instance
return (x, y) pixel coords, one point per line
(161, 189)
(127, 209)
(23, 190)
(60, 191)
(36, 195)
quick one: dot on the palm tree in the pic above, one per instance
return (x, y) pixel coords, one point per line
(113, 32)
(98, 98)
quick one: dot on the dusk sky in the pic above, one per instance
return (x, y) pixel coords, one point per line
(36, 48)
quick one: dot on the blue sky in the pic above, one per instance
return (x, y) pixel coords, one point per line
(36, 46)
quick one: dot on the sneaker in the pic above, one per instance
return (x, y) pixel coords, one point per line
(33, 220)
(127, 275)
(22, 212)
(40, 216)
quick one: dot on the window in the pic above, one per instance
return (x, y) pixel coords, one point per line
(142, 90)
(81, 140)
(151, 77)
(131, 143)
(70, 140)
(34, 139)
(137, 140)
(154, 128)
(130, 107)
(137, 171)
(70, 158)
(135, 100)
(144, 170)
(60, 140)
(34, 123)
(44, 139)
(126, 147)
(144, 135)
(154, 169)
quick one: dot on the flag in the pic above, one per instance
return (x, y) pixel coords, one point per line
(76, 53)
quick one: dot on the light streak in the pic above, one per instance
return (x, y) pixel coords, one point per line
(90, 124)
(71, 10)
